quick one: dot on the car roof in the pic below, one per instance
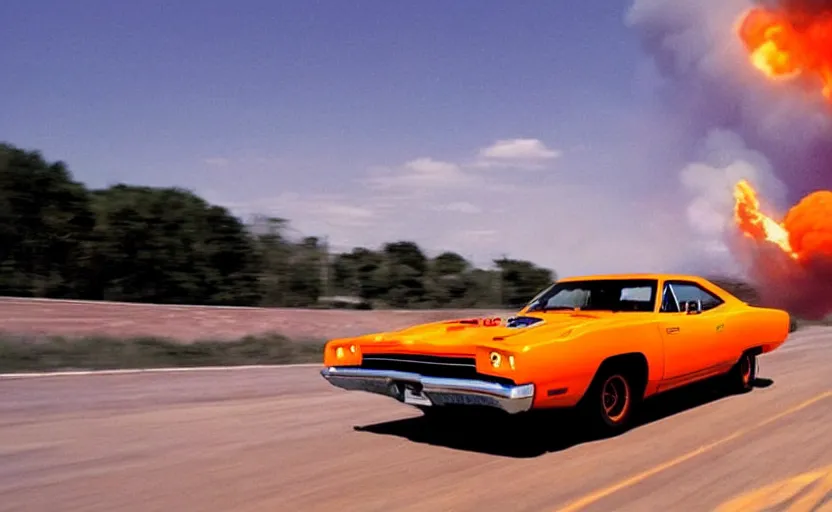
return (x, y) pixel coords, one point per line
(706, 283)
(659, 276)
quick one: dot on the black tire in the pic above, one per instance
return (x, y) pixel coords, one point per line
(742, 375)
(610, 402)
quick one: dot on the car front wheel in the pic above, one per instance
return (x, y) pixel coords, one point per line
(610, 402)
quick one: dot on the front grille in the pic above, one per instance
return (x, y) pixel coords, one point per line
(430, 366)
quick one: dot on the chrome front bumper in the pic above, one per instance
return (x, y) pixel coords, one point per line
(419, 390)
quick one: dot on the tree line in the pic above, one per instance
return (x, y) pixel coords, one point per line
(60, 239)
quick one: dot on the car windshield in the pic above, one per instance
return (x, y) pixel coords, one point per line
(637, 295)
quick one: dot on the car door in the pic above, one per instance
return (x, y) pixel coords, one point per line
(692, 342)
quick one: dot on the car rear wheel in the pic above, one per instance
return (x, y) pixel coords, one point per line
(742, 376)
(609, 403)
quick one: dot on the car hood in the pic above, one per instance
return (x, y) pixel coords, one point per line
(520, 329)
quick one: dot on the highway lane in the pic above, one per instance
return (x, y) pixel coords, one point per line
(284, 439)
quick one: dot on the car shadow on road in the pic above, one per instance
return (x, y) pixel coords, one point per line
(536, 433)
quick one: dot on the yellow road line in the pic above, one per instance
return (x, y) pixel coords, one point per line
(775, 495)
(810, 501)
(603, 493)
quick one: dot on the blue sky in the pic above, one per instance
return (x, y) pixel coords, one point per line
(488, 127)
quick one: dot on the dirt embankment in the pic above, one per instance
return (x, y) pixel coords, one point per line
(190, 323)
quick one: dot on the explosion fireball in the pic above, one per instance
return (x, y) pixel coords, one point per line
(755, 224)
(798, 275)
(793, 258)
(785, 44)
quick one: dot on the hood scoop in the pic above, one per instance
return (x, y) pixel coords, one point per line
(519, 322)
(514, 322)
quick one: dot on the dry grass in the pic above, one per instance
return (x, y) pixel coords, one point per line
(189, 323)
(53, 335)
(105, 353)
(42, 334)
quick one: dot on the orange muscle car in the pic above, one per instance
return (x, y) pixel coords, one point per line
(599, 343)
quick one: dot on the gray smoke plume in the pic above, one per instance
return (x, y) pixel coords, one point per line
(711, 85)
(804, 289)
(805, 6)
(741, 125)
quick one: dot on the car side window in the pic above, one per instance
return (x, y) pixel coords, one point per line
(669, 302)
(690, 291)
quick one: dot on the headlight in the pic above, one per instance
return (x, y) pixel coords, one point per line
(342, 353)
(339, 352)
(500, 360)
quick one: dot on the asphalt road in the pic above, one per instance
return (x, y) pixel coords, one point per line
(285, 440)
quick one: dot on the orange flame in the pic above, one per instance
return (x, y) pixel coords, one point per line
(785, 45)
(755, 224)
(809, 224)
(800, 282)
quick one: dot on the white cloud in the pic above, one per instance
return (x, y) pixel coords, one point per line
(476, 236)
(460, 207)
(571, 222)
(345, 214)
(422, 172)
(519, 149)
(427, 173)
(433, 170)
(517, 153)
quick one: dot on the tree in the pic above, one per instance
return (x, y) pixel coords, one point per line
(521, 281)
(449, 282)
(45, 217)
(360, 273)
(273, 254)
(168, 245)
(405, 265)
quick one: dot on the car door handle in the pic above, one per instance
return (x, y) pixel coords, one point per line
(672, 330)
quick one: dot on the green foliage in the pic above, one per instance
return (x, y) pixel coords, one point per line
(167, 245)
(521, 281)
(45, 223)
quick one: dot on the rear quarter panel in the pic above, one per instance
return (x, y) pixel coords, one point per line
(763, 328)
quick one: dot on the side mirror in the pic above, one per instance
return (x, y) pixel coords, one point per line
(692, 307)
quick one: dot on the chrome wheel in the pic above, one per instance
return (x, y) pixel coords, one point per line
(612, 399)
(615, 398)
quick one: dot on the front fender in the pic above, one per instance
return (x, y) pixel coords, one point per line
(563, 369)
